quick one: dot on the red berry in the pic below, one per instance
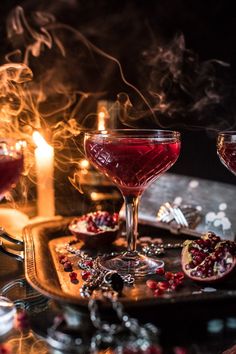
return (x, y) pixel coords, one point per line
(151, 284)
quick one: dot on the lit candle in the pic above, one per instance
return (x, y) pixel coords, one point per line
(101, 120)
(44, 160)
(106, 115)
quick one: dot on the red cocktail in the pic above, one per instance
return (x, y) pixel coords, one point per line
(11, 164)
(226, 149)
(132, 159)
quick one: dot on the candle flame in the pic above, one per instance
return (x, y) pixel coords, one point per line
(84, 164)
(101, 120)
(40, 141)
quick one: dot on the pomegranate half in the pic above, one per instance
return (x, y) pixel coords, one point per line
(208, 259)
(96, 229)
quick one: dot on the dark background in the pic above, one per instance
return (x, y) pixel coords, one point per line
(129, 30)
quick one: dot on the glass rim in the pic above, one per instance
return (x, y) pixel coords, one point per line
(227, 132)
(135, 132)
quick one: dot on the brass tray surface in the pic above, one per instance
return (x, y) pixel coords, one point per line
(45, 273)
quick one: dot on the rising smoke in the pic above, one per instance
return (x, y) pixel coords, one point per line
(55, 73)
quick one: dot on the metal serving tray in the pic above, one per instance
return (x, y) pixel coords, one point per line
(44, 273)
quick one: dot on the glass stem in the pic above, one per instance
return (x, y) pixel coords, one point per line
(131, 209)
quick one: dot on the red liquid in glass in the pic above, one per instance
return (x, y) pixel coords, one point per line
(10, 169)
(133, 163)
(227, 154)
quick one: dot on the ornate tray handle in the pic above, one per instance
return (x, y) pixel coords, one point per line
(17, 254)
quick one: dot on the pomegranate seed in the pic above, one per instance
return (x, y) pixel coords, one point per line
(160, 271)
(85, 275)
(169, 275)
(22, 320)
(61, 257)
(179, 275)
(88, 264)
(180, 350)
(151, 284)
(67, 266)
(158, 292)
(163, 285)
(115, 217)
(5, 349)
(73, 277)
(152, 350)
(64, 260)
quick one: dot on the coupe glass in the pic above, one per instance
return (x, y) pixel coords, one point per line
(132, 159)
(226, 149)
(11, 164)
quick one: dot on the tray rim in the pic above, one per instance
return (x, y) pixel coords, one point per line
(62, 297)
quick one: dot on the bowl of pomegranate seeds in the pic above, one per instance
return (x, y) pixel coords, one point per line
(96, 229)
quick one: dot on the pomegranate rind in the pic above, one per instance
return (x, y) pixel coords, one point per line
(186, 258)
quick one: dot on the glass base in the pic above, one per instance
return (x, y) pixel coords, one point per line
(132, 263)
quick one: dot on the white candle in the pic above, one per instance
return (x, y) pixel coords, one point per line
(44, 160)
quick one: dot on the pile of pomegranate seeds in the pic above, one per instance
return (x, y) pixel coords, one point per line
(172, 281)
(95, 222)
